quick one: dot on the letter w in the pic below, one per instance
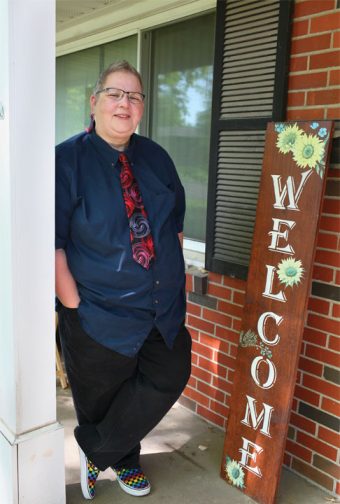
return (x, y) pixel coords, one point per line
(289, 188)
(264, 416)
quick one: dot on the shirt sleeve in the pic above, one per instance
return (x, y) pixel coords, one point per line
(64, 199)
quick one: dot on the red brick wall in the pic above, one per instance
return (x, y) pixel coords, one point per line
(214, 322)
(314, 93)
(214, 319)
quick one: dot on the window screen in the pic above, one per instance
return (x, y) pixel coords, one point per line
(180, 114)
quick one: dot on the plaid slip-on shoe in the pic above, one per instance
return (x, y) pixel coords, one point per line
(132, 481)
(88, 475)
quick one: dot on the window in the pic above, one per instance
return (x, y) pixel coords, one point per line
(177, 69)
(250, 76)
(76, 75)
(181, 61)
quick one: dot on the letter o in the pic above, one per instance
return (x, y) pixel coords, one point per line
(271, 372)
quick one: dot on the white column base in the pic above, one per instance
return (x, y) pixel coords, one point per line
(32, 467)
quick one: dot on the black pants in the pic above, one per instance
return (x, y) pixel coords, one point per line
(119, 399)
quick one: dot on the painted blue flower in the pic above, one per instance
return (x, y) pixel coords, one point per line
(279, 127)
(322, 132)
(314, 125)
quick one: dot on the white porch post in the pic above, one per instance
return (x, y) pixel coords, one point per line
(31, 441)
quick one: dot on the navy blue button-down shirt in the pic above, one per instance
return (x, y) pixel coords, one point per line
(120, 300)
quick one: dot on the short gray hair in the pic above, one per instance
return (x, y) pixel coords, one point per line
(116, 66)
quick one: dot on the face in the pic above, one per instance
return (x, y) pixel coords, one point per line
(116, 121)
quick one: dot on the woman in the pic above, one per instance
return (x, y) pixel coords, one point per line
(120, 281)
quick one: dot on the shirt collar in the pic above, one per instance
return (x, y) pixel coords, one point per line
(108, 153)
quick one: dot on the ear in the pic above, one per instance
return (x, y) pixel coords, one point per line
(93, 101)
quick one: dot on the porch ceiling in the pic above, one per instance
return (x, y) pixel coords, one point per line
(84, 23)
(70, 10)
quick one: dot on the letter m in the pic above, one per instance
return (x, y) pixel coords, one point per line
(264, 416)
(289, 189)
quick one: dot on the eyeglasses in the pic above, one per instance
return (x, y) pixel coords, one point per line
(118, 94)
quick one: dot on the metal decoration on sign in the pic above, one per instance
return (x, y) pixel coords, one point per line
(292, 187)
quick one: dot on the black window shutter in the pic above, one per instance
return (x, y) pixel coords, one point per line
(250, 88)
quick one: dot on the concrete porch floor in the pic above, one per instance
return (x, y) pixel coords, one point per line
(181, 456)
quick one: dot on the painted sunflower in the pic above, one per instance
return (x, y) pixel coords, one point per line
(235, 473)
(286, 140)
(290, 272)
(308, 151)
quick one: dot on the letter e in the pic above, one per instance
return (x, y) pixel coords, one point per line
(246, 455)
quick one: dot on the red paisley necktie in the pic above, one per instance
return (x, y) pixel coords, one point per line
(143, 250)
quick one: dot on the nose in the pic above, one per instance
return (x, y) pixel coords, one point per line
(124, 99)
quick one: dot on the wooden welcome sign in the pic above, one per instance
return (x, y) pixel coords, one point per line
(292, 187)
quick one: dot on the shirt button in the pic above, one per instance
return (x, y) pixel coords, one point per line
(157, 282)
(156, 301)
